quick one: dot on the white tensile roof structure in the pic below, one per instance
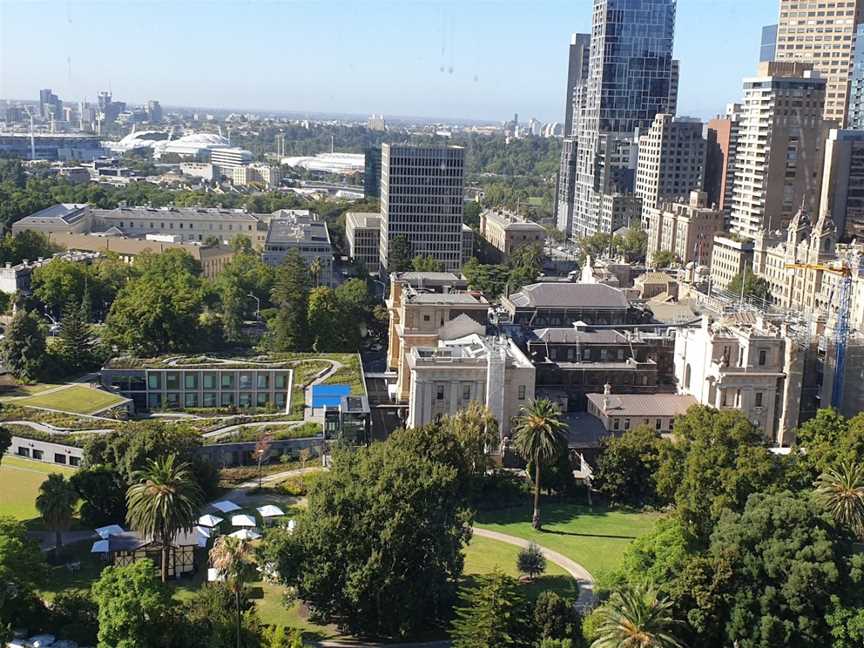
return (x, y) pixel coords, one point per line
(269, 510)
(226, 506)
(246, 534)
(107, 531)
(243, 521)
(209, 520)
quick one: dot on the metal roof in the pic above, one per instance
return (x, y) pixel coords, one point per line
(569, 295)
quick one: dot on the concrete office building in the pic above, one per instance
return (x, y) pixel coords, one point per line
(822, 34)
(685, 229)
(363, 232)
(768, 46)
(843, 183)
(631, 79)
(50, 106)
(265, 175)
(720, 159)
(779, 157)
(671, 160)
(447, 377)
(154, 112)
(229, 158)
(578, 59)
(303, 233)
(507, 232)
(755, 368)
(422, 201)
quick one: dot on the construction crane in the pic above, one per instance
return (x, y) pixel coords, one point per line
(841, 331)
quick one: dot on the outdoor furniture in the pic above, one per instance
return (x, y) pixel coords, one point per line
(110, 530)
(209, 520)
(226, 506)
(243, 521)
(246, 534)
(269, 511)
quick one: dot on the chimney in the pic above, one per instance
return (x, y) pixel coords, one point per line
(607, 391)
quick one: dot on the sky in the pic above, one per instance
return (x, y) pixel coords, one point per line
(448, 59)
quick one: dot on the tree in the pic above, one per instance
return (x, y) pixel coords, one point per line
(59, 283)
(133, 605)
(637, 617)
(539, 431)
(494, 615)
(289, 330)
(555, 617)
(75, 345)
(471, 214)
(24, 349)
(315, 271)
(379, 548)
(476, 431)
(164, 501)
(399, 254)
(233, 559)
(56, 504)
(22, 571)
(5, 441)
(663, 259)
(75, 616)
(244, 282)
(753, 287)
(530, 561)
(103, 495)
(627, 465)
(422, 263)
(632, 245)
(208, 619)
(841, 492)
(327, 324)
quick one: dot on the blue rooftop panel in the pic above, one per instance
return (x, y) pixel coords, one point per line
(329, 395)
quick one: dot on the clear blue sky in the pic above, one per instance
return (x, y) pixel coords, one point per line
(465, 58)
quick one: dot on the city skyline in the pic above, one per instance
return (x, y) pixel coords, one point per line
(480, 61)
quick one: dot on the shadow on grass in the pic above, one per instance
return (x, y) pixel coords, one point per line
(561, 584)
(588, 535)
(551, 511)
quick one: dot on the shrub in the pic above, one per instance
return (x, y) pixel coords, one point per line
(531, 561)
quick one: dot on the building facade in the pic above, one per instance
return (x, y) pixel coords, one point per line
(372, 172)
(768, 46)
(304, 234)
(507, 232)
(855, 119)
(363, 233)
(622, 412)
(563, 304)
(823, 35)
(685, 229)
(843, 183)
(422, 201)
(720, 159)
(779, 157)
(730, 256)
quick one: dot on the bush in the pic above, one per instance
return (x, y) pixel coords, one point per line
(299, 486)
(531, 561)
(555, 617)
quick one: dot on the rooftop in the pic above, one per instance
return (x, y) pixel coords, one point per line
(190, 213)
(471, 350)
(580, 336)
(569, 295)
(642, 404)
(67, 212)
(293, 230)
(444, 298)
(363, 219)
(510, 221)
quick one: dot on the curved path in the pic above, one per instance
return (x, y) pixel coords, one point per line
(226, 431)
(50, 429)
(582, 576)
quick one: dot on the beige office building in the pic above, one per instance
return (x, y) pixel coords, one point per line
(685, 229)
(507, 232)
(822, 33)
(778, 161)
(363, 232)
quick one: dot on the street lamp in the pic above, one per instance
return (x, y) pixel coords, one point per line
(257, 306)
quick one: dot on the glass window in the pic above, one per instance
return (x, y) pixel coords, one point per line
(209, 400)
(466, 392)
(172, 399)
(227, 380)
(59, 458)
(521, 392)
(245, 399)
(758, 399)
(763, 357)
(281, 380)
(658, 424)
(172, 380)
(209, 380)
(626, 423)
(245, 380)
(154, 380)
(154, 401)
(439, 392)
(616, 424)
(263, 380)
(262, 399)
(191, 399)
(190, 380)
(74, 461)
(281, 399)
(227, 399)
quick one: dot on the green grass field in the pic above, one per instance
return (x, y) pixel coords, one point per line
(595, 539)
(10, 390)
(75, 398)
(20, 480)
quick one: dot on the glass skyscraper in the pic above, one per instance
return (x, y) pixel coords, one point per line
(768, 47)
(856, 87)
(632, 77)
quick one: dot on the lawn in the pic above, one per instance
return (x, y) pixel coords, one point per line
(75, 398)
(595, 539)
(21, 479)
(9, 389)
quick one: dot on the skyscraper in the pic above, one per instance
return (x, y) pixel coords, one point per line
(630, 80)
(843, 183)
(372, 172)
(768, 47)
(422, 202)
(822, 34)
(154, 111)
(577, 72)
(856, 85)
(778, 162)
(50, 105)
(720, 165)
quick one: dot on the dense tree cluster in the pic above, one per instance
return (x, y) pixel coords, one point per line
(522, 268)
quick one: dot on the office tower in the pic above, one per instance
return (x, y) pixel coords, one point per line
(577, 72)
(108, 108)
(154, 111)
(630, 81)
(720, 164)
(822, 34)
(372, 172)
(778, 162)
(671, 161)
(50, 105)
(768, 48)
(674, 81)
(856, 85)
(422, 201)
(843, 183)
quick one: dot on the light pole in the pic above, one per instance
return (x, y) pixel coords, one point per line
(257, 306)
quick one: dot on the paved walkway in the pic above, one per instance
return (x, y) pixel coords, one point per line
(240, 491)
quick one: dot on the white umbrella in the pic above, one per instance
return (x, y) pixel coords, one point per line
(226, 506)
(243, 521)
(100, 546)
(270, 510)
(110, 530)
(245, 534)
(209, 520)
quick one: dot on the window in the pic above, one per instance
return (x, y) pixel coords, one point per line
(154, 401)
(59, 458)
(758, 399)
(228, 381)
(245, 380)
(209, 400)
(227, 399)
(658, 424)
(74, 461)
(738, 398)
(723, 398)
(209, 380)
(191, 399)
(763, 357)
(154, 380)
(263, 381)
(466, 392)
(439, 392)
(262, 399)
(521, 392)
(172, 380)
(172, 400)
(626, 424)
(190, 380)
(616, 424)
(37, 454)
(281, 381)
(245, 399)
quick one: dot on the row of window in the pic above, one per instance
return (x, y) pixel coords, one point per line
(39, 455)
(176, 400)
(207, 380)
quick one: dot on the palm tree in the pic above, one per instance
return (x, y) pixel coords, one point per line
(56, 504)
(164, 501)
(637, 618)
(841, 492)
(538, 435)
(315, 270)
(233, 559)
